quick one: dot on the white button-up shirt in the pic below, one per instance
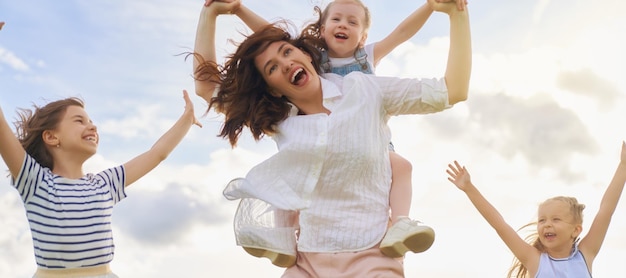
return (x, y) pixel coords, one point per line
(334, 169)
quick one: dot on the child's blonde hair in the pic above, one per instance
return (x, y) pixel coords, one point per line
(518, 270)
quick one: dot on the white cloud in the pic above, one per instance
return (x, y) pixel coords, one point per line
(535, 126)
(540, 8)
(15, 239)
(10, 59)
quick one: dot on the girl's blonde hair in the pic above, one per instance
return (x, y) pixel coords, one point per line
(518, 270)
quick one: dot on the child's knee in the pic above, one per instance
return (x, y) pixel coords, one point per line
(399, 163)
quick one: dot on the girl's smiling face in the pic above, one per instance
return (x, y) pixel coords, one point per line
(557, 228)
(76, 132)
(344, 29)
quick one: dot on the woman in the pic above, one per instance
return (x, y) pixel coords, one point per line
(329, 182)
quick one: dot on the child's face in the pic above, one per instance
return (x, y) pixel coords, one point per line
(76, 132)
(555, 226)
(344, 29)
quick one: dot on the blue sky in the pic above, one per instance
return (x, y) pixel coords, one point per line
(544, 117)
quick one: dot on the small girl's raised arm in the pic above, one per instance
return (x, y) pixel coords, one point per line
(526, 253)
(403, 32)
(591, 243)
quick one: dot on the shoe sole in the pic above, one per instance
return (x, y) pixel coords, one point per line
(278, 259)
(416, 243)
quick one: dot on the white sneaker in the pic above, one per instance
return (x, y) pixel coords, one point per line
(407, 235)
(278, 244)
(278, 259)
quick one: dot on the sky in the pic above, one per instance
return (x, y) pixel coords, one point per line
(544, 117)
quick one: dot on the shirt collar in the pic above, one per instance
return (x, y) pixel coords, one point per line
(330, 90)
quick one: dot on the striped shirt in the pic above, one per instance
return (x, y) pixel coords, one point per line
(70, 219)
(334, 169)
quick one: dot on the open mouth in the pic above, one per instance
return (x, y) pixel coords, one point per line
(91, 138)
(341, 36)
(297, 76)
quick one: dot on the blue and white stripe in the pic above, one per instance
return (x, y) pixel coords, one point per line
(70, 219)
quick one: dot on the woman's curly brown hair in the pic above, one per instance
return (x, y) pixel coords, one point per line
(243, 95)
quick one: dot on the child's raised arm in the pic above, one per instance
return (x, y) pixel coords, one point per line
(408, 28)
(404, 31)
(591, 243)
(144, 163)
(251, 19)
(10, 147)
(524, 252)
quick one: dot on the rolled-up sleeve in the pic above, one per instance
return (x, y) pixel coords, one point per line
(403, 96)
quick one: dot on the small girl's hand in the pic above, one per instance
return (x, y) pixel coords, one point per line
(219, 7)
(447, 6)
(1, 24)
(208, 2)
(228, 9)
(460, 4)
(459, 176)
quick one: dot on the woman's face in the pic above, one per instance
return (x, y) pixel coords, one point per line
(288, 72)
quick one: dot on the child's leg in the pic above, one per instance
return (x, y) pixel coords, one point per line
(404, 234)
(401, 188)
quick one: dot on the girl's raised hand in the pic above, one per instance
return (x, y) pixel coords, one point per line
(447, 6)
(460, 4)
(189, 109)
(224, 6)
(459, 176)
(230, 7)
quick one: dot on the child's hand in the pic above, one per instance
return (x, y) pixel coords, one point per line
(1, 24)
(459, 176)
(226, 6)
(208, 2)
(460, 4)
(189, 111)
(447, 6)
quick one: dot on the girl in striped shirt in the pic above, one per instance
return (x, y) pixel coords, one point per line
(69, 211)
